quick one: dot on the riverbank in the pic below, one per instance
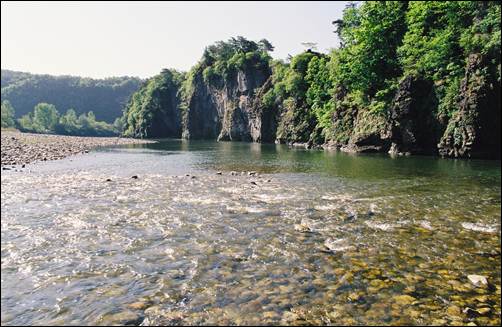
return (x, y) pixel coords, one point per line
(22, 148)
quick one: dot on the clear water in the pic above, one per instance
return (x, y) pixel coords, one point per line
(314, 238)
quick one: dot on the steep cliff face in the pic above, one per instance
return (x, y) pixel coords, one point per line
(231, 111)
(474, 130)
(413, 128)
(201, 118)
(263, 122)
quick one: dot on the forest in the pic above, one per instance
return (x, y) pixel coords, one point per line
(105, 97)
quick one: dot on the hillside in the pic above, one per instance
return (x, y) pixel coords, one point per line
(105, 97)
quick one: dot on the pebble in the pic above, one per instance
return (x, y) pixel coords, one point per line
(477, 312)
(453, 311)
(137, 305)
(353, 297)
(270, 315)
(477, 280)
(483, 311)
(404, 299)
(125, 317)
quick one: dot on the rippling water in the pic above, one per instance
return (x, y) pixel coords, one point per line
(313, 238)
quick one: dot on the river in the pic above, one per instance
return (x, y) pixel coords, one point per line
(241, 233)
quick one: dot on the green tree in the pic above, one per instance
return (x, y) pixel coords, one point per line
(7, 114)
(155, 99)
(431, 46)
(118, 125)
(371, 35)
(26, 123)
(319, 93)
(68, 123)
(45, 117)
(265, 45)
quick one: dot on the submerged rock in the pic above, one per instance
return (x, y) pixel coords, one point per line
(472, 313)
(305, 226)
(140, 305)
(403, 300)
(336, 246)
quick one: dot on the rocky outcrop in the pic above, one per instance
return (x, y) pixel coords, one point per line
(230, 112)
(201, 118)
(370, 133)
(474, 130)
(263, 119)
(413, 129)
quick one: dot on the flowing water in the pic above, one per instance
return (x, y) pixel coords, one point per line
(313, 237)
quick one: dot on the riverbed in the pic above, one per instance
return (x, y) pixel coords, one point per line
(199, 232)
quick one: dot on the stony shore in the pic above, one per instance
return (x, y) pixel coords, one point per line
(22, 148)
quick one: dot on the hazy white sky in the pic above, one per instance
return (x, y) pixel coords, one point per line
(140, 38)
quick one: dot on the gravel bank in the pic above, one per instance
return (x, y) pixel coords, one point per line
(23, 148)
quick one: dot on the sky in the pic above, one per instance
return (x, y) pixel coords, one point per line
(100, 39)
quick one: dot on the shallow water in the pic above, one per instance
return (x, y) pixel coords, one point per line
(315, 238)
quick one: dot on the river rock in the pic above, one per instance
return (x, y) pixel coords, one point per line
(137, 305)
(453, 311)
(478, 280)
(404, 300)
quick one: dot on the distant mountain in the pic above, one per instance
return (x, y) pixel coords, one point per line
(105, 97)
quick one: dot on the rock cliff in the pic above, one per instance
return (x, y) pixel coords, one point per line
(474, 130)
(230, 111)
(413, 127)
